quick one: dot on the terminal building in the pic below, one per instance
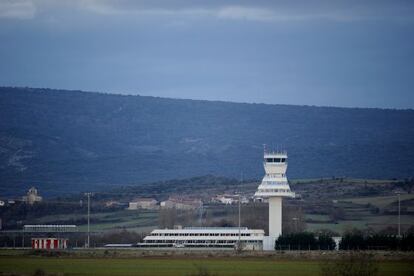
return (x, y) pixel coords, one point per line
(213, 237)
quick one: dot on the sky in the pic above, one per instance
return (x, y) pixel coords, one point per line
(325, 53)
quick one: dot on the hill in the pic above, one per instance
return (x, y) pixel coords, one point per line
(68, 141)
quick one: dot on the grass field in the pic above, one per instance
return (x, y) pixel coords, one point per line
(187, 266)
(141, 220)
(376, 222)
(380, 201)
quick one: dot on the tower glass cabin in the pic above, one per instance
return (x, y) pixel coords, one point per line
(274, 187)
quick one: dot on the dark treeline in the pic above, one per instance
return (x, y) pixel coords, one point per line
(356, 240)
(352, 240)
(305, 241)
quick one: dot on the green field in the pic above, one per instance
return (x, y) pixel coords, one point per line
(142, 220)
(358, 215)
(379, 201)
(376, 222)
(180, 266)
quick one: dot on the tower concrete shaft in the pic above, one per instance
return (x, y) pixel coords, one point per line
(274, 187)
(275, 216)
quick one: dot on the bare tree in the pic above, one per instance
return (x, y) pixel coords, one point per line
(293, 219)
(167, 217)
(351, 264)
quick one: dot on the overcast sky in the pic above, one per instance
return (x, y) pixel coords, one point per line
(326, 53)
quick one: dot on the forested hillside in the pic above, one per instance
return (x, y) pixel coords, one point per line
(70, 140)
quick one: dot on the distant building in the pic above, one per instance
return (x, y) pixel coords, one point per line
(182, 203)
(143, 203)
(32, 196)
(230, 199)
(114, 203)
(49, 243)
(205, 237)
(337, 241)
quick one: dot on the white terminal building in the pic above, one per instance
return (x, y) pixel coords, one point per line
(273, 187)
(213, 237)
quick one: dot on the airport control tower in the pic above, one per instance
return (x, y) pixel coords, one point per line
(274, 187)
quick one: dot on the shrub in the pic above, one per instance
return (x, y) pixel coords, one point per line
(352, 264)
(305, 241)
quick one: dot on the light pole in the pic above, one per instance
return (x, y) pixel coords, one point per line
(89, 214)
(201, 210)
(239, 221)
(296, 224)
(399, 214)
(399, 192)
(241, 182)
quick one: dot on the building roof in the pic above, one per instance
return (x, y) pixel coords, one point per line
(143, 199)
(210, 230)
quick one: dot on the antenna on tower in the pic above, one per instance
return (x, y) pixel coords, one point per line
(264, 148)
(201, 210)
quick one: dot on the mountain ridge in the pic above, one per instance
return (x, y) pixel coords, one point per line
(52, 138)
(56, 90)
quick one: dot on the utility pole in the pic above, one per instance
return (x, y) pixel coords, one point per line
(399, 215)
(201, 210)
(239, 242)
(89, 214)
(296, 224)
(239, 222)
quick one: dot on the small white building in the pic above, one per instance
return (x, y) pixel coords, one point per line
(230, 199)
(32, 196)
(49, 243)
(143, 203)
(182, 203)
(205, 237)
(226, 200)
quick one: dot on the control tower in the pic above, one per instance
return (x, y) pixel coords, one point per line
(274, 186)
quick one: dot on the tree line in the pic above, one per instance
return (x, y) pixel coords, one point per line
(351, 240)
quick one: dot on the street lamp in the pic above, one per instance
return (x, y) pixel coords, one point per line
(89, 214)
(296, 224)
(239, 242)
(398, 192)
(239, 220)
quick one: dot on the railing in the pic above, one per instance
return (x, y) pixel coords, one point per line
(50, 228)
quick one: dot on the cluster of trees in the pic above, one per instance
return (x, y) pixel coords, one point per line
(356, 240)
(351, 240)
(305, 241)
(170, 217)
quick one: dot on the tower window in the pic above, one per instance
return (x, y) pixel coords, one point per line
(275, 160)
